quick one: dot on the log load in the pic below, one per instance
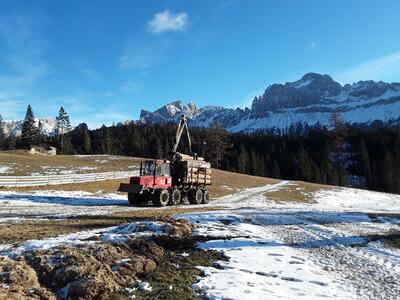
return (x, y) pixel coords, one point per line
(192, 171)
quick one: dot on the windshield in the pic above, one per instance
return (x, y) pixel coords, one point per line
(148, 168)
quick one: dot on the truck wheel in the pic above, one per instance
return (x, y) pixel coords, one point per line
(206, 197)
(176, 197)
(135, 199)
(161, 197)
(195, 196)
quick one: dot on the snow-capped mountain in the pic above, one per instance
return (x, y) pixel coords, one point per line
(310, 100)
(13, 127)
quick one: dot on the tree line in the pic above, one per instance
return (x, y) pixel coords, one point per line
(342, 155)
(33, 133)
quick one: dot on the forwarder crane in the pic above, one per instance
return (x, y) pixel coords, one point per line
(170, 182)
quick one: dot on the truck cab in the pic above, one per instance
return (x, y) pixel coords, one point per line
(153, 174)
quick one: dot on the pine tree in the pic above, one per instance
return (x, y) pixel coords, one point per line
(338, 141)
(243, 160)
(388, 172)
(29, 131)
(155, 149)
(39, 139)
(2, 134)
(217, 144)
(276, 171)
(63, 125)
(364, 161)
(86, 142)
(254, 163)
(107, 141)
(304, 166)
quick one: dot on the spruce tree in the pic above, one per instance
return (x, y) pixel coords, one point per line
(86, 142)
(39, 139)
(254, 162)
(217, 144)
(29, 130)
(155, 149)
(63, 125)
(243, 160)
(364, 161)
(387, 172)
(276, 171)
(304, 166)
(2, 134)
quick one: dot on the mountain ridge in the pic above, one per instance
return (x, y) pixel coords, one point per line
(309, 101)
(14, 127)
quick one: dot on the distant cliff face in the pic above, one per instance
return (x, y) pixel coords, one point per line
(309, 101)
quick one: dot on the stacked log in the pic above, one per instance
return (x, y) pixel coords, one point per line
(197, 171)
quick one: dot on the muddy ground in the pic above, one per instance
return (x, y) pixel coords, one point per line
(103, 269)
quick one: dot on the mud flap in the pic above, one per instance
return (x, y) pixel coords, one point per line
(130, 188)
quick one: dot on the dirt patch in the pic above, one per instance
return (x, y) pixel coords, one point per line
(109, 270)
(177, 272)
(39, 229)
(296, 191)
(20, 281)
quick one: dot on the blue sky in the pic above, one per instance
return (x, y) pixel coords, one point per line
(104, 61)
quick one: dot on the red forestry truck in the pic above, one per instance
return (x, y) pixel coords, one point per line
(170, 182)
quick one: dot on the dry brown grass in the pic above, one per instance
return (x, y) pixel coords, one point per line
(296, 191)
(24, 163)
(40, 229)
(106, 186)
(224, 183)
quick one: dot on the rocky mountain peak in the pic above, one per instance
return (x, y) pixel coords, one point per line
(13, 127)
(312, 88)
(308, 101)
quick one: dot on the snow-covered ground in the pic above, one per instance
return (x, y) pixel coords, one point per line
(4, 169)
(58, 204)
(328, 249)
(332, 248)
(114, 234)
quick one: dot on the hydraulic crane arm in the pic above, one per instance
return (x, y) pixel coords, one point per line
(182, 126)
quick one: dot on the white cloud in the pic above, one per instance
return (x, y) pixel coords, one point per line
(139, 54)
(167, 21)
(11, 109)
(134, 59)
(312, 45)
(24, 65)
(89, 73)
(384, 68)
(25, 48)
(129, 86)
